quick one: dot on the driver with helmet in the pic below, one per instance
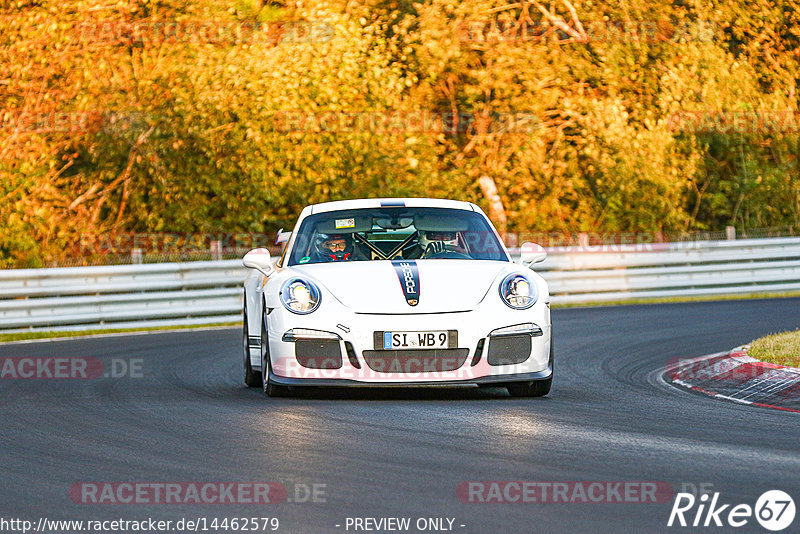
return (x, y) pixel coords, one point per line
(334, 247)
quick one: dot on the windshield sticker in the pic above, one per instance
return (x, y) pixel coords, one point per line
(305, 259)
(345, 223)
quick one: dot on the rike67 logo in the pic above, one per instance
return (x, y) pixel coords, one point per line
(774, 510)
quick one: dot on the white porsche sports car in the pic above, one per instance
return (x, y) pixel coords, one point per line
(396, 292)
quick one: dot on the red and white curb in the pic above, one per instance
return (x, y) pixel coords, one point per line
(737, 377)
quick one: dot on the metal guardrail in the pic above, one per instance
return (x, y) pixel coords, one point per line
(121, 296)
(154, 295)
(705, 268)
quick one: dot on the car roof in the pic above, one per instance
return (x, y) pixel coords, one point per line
(391, 202)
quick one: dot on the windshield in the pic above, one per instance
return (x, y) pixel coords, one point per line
(395, 233)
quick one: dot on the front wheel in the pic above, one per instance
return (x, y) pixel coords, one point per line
(271, 389)
(251, 378)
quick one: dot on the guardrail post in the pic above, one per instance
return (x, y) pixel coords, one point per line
(136, 256)
(730, 233)
(216, 250)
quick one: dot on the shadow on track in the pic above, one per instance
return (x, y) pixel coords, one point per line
(416, 393)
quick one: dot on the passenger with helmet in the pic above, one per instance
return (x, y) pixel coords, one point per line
(431, 243)
(334, 247)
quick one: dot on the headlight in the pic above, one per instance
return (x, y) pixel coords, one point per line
(518, 292)
(300, 296)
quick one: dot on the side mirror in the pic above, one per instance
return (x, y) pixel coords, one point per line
(282, 237)
(531, 253)
(260, 260)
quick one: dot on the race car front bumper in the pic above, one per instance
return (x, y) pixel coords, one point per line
(491, 344)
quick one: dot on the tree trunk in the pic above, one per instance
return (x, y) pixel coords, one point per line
(497, 212)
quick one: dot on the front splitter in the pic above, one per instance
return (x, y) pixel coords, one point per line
(346, 382)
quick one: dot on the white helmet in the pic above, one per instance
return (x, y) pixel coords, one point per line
(446, 238)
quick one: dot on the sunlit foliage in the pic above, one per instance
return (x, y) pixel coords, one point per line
(174, 116)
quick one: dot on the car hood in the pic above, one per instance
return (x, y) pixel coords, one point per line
(443, 285)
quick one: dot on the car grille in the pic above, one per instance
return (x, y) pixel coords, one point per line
(415, 361)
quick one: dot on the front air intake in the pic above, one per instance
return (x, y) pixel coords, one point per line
(318, 354)
(509, 350)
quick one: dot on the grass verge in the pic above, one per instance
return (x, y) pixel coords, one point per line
(25, 336)
(782, 349)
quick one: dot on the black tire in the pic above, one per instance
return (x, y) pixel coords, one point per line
(251, 378)
(271, 389)
(536, 388)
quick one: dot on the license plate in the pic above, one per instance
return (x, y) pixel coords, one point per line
(437, 339)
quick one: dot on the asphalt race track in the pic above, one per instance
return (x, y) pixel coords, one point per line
(394, 453)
